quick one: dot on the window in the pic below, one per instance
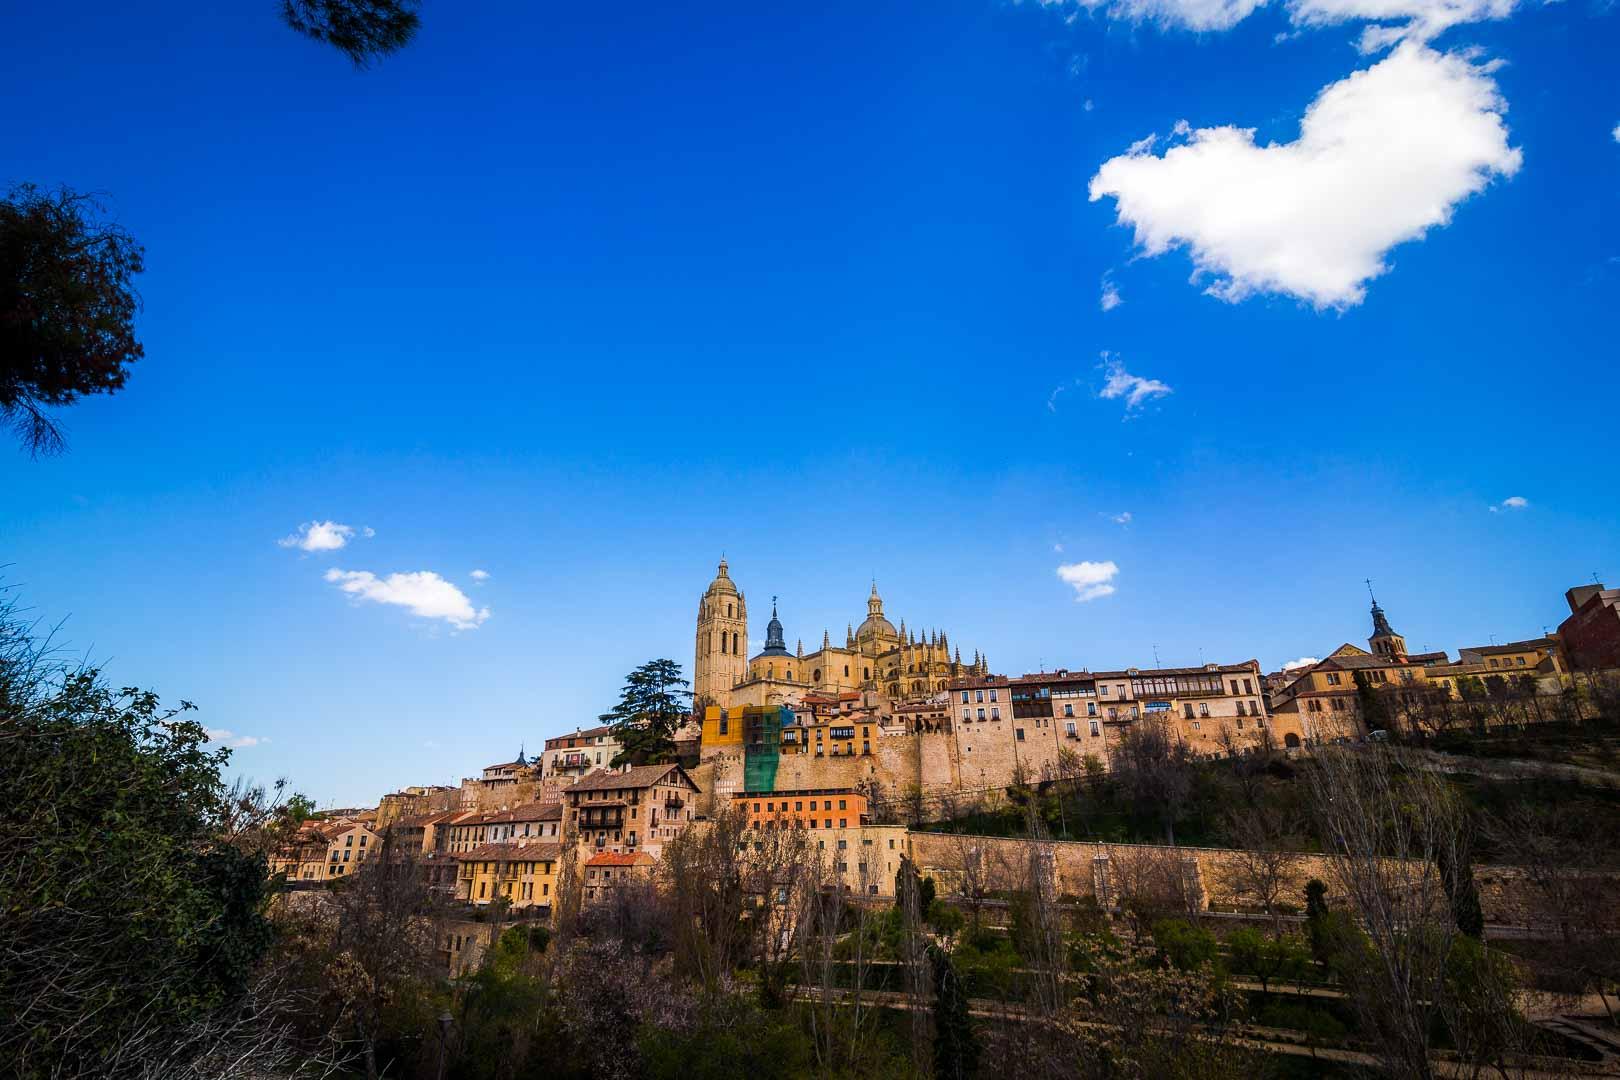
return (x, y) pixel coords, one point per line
(964, 697)
(981, 714)
(1091, 708)
(1069, 729)
(1103, 690)
(1240, 708)
(1248, 687)
(992, 695)
(995, 712)
(843, 805)
(1333, 678)
(978, 695)
(1020, 734)
(1186, 709)
(1095, 730)
(1203, 708)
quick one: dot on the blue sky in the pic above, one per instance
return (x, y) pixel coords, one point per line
(582, 297)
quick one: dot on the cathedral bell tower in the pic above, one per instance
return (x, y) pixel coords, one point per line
(722, 641)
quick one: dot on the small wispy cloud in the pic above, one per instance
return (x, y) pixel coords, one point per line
(1051, 399)
(1304, 661)
(1510, 504)
(423, 593)
(324, 536)
(1121, 385)
(1091, 580)
(232, 740)
(479, 576)
(1121, 518)
(1616, 133)
(1058, 548)
(1110, 298)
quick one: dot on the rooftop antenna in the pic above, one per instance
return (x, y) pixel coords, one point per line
(1493, 639)
(1370, 592)
(1595, 580)
(1155, 654)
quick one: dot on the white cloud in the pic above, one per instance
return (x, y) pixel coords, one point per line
(1512, 502)
(1091, 580)
(1058, 548)
(1382, 157)
(323, 536)
(1616, 133)
(423, 593)
(1304, 661)
(1189, 14)
(479, 575)
(1420, 20)
(1110, 295)
(1122, 518)
(1134, 389)
(1396, 19)
(1051, 399)
(233, 740)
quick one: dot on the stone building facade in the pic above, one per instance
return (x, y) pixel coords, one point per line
(873, 657)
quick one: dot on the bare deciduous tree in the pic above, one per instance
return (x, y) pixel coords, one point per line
(1388, 830)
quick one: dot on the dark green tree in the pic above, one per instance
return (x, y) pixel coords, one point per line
(67, 308)
(1317, 917)
(1374, 712)
(655, 702)
(362, 30)
(956, 1047)
(127, 926)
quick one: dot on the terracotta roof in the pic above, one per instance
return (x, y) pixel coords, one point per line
(560, 742)
(639, 776)
(535, 811)
(1512, 646)
(620, 858)
(510, 851)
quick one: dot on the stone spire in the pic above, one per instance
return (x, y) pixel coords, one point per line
(826, 640)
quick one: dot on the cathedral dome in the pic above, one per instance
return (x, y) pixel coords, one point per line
(875, 626)
(722, 583)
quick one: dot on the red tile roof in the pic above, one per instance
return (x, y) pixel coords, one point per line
(620, 858)
(510, 851)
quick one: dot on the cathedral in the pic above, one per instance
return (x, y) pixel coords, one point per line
(896, 664)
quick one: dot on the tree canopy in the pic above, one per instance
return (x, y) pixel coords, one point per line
(362, 30)
(67, 308)
(655, 702)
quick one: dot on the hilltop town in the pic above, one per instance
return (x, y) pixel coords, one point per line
(861, 742)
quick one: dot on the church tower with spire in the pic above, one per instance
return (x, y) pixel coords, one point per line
(722, 641)
(1385, 641)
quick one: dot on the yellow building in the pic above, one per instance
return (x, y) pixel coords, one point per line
(897, 663)
(1325, 700)
(324, 851)
(522, 874)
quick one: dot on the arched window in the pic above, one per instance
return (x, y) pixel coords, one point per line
(866, 673)
(733, 643)
(789, 675)
(728, 611)
(722, 642)
(815, 676)
(846, 671)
